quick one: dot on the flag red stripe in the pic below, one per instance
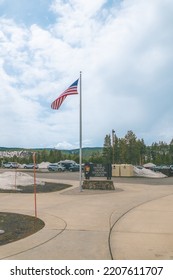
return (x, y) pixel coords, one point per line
(71, 90)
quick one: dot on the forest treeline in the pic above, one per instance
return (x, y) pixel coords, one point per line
(128, 149)
(132, 150)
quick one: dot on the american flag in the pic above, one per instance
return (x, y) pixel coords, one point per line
(71, 90)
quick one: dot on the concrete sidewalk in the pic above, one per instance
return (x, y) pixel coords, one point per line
(77, 224)
(146, 232)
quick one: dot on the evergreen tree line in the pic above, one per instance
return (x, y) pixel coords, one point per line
(131, 150)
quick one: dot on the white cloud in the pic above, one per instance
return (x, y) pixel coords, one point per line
(125, 54)
(83, 21)
(65, 146)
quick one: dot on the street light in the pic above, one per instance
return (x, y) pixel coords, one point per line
(113, 145)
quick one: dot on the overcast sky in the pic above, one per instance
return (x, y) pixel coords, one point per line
(124, 50)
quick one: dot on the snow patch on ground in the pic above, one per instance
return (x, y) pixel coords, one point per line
(10, 180)
(144, 172)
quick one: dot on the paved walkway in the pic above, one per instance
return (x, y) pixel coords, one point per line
(133, 222)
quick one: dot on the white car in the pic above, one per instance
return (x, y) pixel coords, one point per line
(56, 167)
(30, 166)
(10, 165)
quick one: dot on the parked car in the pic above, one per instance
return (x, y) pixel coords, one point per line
(30, 166)
(10, 165)
(67, 163)
(74, 167)
(56, 167)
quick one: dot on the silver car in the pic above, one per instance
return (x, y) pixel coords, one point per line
(30, 166)
(10, 165)
(56, 167)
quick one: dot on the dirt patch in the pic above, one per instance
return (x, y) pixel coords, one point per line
(48, 187)
(17, 226)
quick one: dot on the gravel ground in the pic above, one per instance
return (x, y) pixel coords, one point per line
(17, 226)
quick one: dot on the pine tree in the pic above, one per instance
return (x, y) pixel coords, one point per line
(107, 150)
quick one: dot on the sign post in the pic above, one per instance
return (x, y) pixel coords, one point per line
(35, 191)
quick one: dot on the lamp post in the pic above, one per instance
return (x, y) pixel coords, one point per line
(113, 146)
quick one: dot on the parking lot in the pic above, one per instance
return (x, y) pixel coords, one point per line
(44, 173)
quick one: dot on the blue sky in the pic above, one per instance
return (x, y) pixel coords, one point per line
(28, 12)
(124, 50)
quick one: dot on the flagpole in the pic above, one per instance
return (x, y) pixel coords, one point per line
(80, 133)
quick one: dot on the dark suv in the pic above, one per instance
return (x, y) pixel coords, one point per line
(74, 167)
(67, 163)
